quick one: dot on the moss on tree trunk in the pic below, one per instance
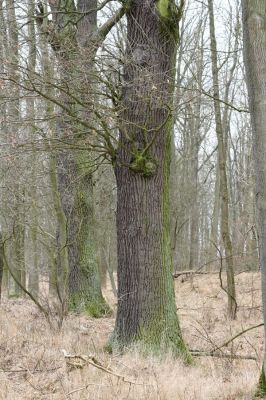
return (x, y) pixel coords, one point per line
(75, 54)
(84, 280)
(261, 391)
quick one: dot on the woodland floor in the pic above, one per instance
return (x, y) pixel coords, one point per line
(35, 355)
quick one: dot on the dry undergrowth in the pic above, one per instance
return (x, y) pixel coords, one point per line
(34, 353)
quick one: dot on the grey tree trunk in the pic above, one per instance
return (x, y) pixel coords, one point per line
(215, 217)
(3, 111)
(254, 29)
(146, 313)
(1, 264)
(231, 293)
(33, 281)
(18, 212)
(196, 139)
(57, 251)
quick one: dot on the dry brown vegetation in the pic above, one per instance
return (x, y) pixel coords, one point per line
(33, 366)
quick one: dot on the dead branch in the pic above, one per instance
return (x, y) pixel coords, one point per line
(236, 336)
(213, 352)
(190, 272)
(199, 353)
(84, 388)
(39, 370)
(81, 360)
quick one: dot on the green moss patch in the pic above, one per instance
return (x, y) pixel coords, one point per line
(261, 391)
(163, 8)
(78, 302)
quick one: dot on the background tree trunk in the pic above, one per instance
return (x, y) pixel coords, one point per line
(76, 55)
(18, 191)
(84, 278)
(33, 280)
(1, 264)
(232, 305)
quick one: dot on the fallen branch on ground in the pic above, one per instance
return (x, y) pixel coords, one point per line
(82, 360)
(191, 272)
(27, 370)
(84, 388)
(198, 353)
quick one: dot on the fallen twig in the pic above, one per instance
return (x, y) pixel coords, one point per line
(190, 272)
(95, 363)
(85, 387)
(27, 370)
(198, 353)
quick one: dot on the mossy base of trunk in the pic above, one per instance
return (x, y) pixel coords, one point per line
(96, 308)
(150, 349)
(152, 343)
(261, 391)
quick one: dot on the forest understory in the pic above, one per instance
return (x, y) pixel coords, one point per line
(36, 363)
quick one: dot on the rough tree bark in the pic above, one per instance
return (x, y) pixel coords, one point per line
(254, 29)
(146, 311)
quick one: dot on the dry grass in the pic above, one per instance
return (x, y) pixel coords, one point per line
(27, 345)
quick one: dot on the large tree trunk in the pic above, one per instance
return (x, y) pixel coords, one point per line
(254, 28)
(146, 311)
(231, 293)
